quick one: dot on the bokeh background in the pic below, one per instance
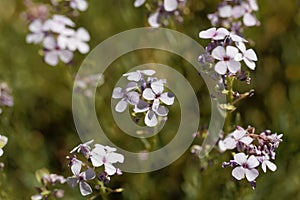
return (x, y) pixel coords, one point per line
(41, 130)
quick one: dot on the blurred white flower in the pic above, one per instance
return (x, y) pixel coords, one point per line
(170, 5)
(37, 32)
(53, 52)
(58, 23)
(248, 56)
(81, 5)
(3, 142)
(138, 3)
(139, 74)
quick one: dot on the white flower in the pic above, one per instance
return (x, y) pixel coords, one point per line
(170, 5)
(83, 148)
(105, 155)
(239, 135)
(38, 32)
(81, 5)
(75, 40)
(139, 74)
(126, 96)
(138, 3)
(247, 167)
(213, 33)
(58, 23)
(226, 59)
(248, 56)
(53, 52)
(3, 142)
(267, 163)
(80, 178)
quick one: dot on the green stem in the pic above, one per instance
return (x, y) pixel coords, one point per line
(229, 96)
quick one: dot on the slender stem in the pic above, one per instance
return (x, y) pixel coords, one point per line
(228, 120)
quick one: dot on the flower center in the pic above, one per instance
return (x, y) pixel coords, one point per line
(226, 58)
(245, 165)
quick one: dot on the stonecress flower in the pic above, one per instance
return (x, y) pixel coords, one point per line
(214, 34)
(139, 74)
(126, 95)
(37, 32)
(105, 155)
(231, 141)
(81, 178)
(58, 23)
(53, 52)
(266, 163)
(246, 167)
(226, 59)
(248, 56)
(3, 142)
(84, 148)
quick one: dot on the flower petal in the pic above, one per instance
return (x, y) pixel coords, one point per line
(246, 140)
(153, 20)
(207, 34)
(150, 119)
(82, 5)
(238, 134)
(51, 58)
(240, 158)
(83, 34)
(76, 166)
(231, 51)
(85, 189)
(118, 93)
(221, 67)
(251, 55)
(162, 111)
(170, 5)
(157, 86)
(238, 173)
(167, 98)
(225, 11)
(131, 86)
(72, 181)
(218, 53)
(121, 106)
(234, 66)
(230, 143)
(148, 94)
(115, 157)
(251, 174)
(249, 20)
(148, 72)
(65, 55)
(109, 169)
(138, 3)
(133, 76)
(133, 98)
(252, 161)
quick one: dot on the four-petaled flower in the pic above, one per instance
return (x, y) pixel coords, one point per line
(246, 167)
(226, 59)
(248, 56)
(138, 75)
(81, 5)
(239, 135)
(105, 155)
(84, 148)
(213, 33)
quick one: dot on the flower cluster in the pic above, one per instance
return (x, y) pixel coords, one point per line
(57, 34)
(252, 150)
(146, 94)
(165, 11)
(85, 84)
(235, 14)
(228, 49)
(89, 168)
(5, 97)
(48, 181)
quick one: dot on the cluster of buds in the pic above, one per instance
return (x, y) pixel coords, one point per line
(253, 150)
(97, 163)
(49, 183)
(146, 94)
(56, 33)
(165, 11)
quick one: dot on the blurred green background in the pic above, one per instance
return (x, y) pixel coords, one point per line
(41, 130)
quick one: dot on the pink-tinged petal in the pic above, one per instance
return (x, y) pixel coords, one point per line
(167, 98)
(238, 134)
(121, 106)
(153, 20)
(207, 34)
(76, 166)
(49, 43)
(148, 72)
(240, 158)
(89, 174)
(65, 55)
(162, 111)
(138, 3)
(51, 58)
(221, 34)
(118, 93)
(150, 119)
(238, 11)
(234, 66)
(218, 53)
(115, 157)
(85, 189)
(133, 76)
(72, 181)
(249, 20)
(148, 94)
(250, 54)
(133, 98)
(109, 169)
(157, 87)
(221, 67)
(83, 47)
(225, 11)
(252, 162)
(251, 174)
(83, 34)
(251, 64)
(170, 5)
(230, 143)
(231, 51)
(241, 46)
(246, 140)
(82, 5)
(238, 173)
